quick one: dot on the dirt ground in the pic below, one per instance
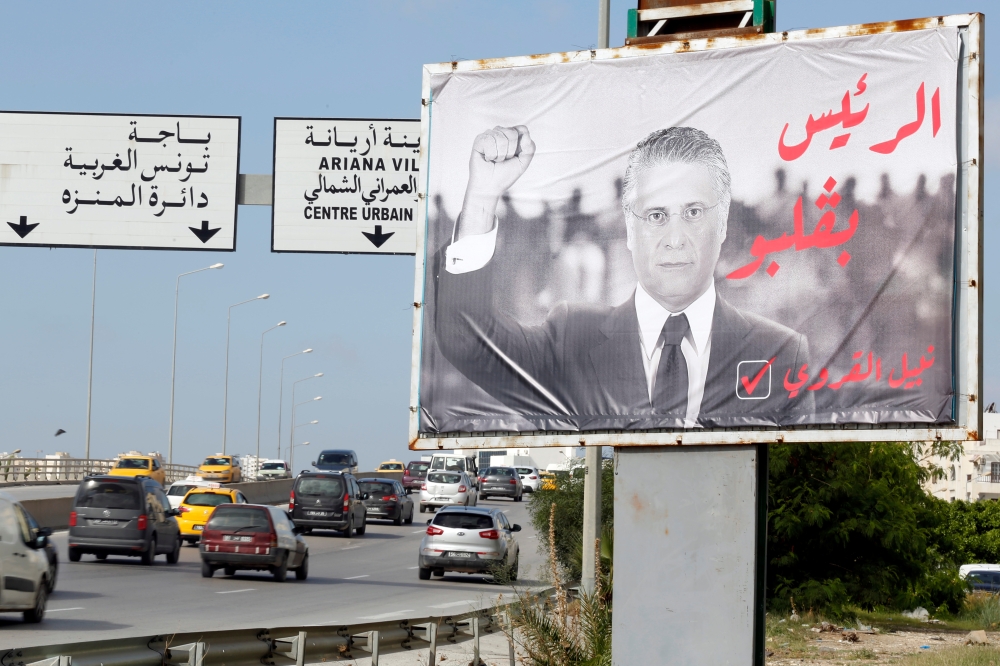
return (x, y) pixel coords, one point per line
(801, 646)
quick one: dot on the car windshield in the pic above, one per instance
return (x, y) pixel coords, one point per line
(499, 471)
(417, 469)
(333, 458)
(207, 499)
(392, 466)
(374, 488)
(463, 521)
(525, 470)
(276, 465)
(180, 490)
(229, 518)
(216, 461)
(320, 486)
(453, 464)
(132, 463)
(444, 477)
(109, 495)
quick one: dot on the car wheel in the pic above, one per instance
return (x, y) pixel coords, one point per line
(438, 573)
(349, 532)
(35, 615)
(424, 573)
(281, 571)
(302, 571)
(150, 555)
(207, 570)
(53, 572)
(484, 496)
(73, 554)
(229, 571)
(364, 526)
(517, 498)
(175, 554)
(409, 521)
(398, 520)
(307, 530)
(101, 556)
(423, 509)
(513, 569)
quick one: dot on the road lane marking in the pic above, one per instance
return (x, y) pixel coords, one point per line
(248, 589)
(58, 610)
(384, 616)
(412, 568)
(453, 604)
(356, 577)
(350, 547)
(418, 532)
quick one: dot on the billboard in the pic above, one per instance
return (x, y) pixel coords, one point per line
(119, 181)
(345, 185)
(775, 234)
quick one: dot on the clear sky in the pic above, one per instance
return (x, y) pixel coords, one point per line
(260, 60)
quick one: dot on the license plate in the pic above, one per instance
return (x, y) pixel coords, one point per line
(315, 513)
(230, 537)
(459, 554)
(103, 521)
(198, 528)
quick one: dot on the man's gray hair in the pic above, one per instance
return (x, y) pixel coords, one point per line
(679, 144)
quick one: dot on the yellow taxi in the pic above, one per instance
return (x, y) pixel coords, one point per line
(140, 466)
(391, 465)
(221, 468)
(198, 505)
(548, 480)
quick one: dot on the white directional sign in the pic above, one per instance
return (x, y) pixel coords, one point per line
(118, 181)
(345, 185)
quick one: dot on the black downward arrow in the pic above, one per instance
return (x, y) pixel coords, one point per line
(378, 238)
(204, 234)
(22, 229)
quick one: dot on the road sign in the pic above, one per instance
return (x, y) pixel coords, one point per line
(119, 181)
(345, 185)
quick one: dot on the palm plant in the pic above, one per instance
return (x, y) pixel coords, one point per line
(553, 630)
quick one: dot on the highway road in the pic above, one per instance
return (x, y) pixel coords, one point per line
(368, 578)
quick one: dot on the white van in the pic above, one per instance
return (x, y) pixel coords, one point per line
(24, 564)
(449, 462)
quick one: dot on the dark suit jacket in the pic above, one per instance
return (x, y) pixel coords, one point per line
(583, 366)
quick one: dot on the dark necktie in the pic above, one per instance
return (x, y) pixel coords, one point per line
(670, 391)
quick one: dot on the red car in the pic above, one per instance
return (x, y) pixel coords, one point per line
(415, 473)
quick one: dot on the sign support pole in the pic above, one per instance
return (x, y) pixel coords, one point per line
(90, 372)
(592, 483)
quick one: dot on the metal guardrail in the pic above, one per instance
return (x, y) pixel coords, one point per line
(275, 646)
(22, 470)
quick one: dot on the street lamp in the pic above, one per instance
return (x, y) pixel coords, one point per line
(295, 384)
(294, 446)
(173, 362)
(225, 399)
(291, 447)
(281, 393)
(260, 381)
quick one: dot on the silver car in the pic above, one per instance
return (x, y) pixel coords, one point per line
(273, 469)
(470, 540)
(444, 488)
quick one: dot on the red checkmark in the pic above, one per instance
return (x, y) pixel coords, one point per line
(751, 385)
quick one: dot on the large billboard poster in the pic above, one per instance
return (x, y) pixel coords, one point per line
(761, 236)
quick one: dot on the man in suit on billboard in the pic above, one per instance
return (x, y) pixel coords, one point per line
(675, 354)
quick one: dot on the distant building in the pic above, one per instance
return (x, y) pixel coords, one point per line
(976, 476)
(542, 456)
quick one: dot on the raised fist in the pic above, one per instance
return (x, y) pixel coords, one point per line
(499, 157)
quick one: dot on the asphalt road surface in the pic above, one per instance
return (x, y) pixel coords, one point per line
(364, 579)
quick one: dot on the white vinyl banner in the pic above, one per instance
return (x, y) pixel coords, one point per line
(345, 185)
(119, 181)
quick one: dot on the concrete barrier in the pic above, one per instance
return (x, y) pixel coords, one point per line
(265, 492)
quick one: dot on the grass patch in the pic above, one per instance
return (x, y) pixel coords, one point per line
(960, 656)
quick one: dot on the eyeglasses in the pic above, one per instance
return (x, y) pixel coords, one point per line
(657, 217)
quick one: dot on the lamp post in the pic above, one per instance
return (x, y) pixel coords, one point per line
(225, 394)
(295, 446)
(294, 384)
(260, 381)
(291, 447)
(173, 362)
(281, 393)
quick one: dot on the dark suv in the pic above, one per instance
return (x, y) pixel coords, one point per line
(119, 515)
(330, 501)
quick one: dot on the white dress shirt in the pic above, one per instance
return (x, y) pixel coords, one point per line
(696, 345)
(473, 252)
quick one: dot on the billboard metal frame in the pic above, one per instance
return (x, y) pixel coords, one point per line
(968, 346)
(236, 176)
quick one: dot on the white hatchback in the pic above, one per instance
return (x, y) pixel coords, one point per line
(530, 478)
(447, 489)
